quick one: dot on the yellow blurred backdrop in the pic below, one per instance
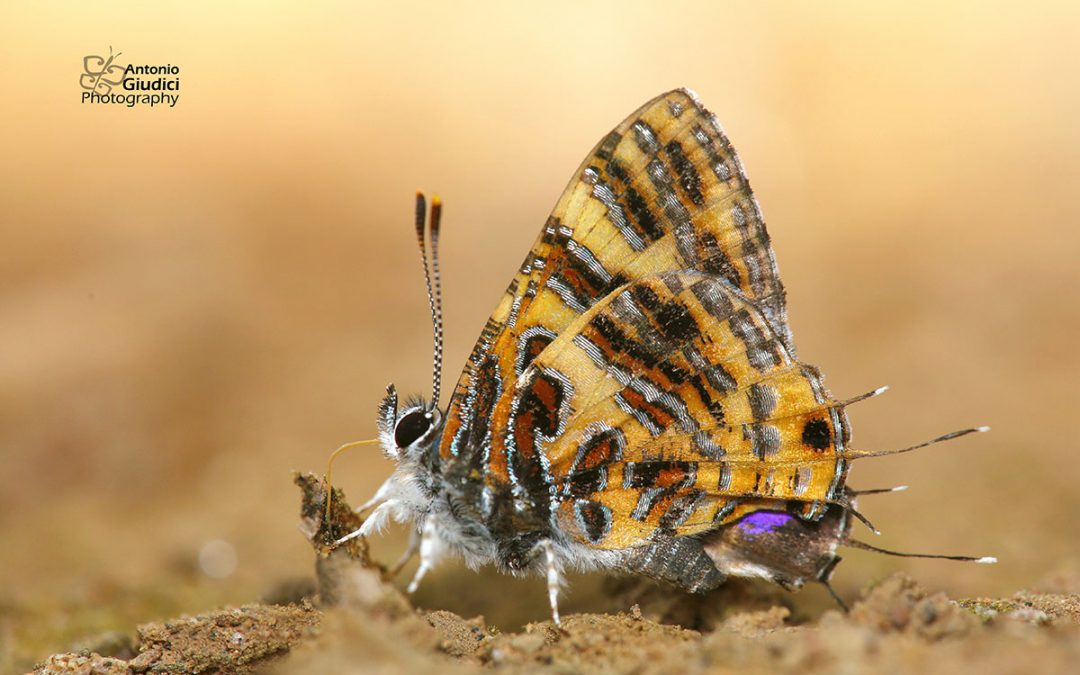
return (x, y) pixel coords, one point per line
(197, 300)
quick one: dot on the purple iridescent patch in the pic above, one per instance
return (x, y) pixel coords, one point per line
(763, 522)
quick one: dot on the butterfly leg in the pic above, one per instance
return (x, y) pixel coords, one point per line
(410, 551)
(554, 580)
(380, 495)
(432, 550)
(375, 521)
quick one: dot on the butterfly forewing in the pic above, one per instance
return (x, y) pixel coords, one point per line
(638, 376)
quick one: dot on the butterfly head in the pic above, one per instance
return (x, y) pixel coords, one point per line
(407, 432)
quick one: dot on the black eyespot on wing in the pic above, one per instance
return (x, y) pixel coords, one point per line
(817, 434)
(411, 427)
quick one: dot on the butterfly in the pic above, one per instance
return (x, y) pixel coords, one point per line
(101, 74)
(635, 402)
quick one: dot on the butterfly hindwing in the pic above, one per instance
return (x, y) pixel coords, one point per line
(686, 412)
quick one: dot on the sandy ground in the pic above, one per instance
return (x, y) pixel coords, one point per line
(350, 620)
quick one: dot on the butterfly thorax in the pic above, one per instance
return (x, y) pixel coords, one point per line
(484, 520)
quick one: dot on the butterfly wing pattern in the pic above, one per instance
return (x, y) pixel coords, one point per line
(635, 402)
(638, 378)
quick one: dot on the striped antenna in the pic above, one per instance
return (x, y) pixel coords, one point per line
(436, 368)
(434, 285)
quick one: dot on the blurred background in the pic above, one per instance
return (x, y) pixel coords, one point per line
(196, 301)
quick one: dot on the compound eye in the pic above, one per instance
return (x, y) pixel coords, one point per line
(411, 427)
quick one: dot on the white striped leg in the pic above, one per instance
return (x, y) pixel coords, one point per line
(410, 551)
(379, 496)
(375, 521)
(554, 581)
(432, 550)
